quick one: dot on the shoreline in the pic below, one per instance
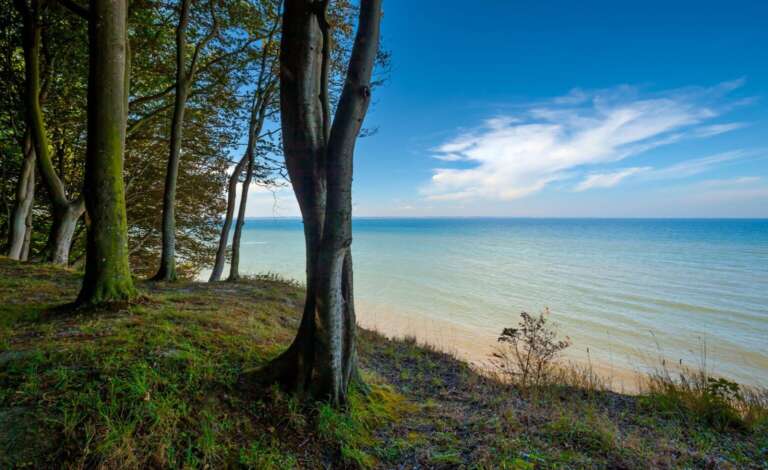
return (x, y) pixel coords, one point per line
(476, 348)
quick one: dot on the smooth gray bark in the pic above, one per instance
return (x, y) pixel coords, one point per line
(234, 266)
(184, 79)
(319, 154)
(258, 115)
(261, 103)
(221, 251)
(22, 209)
(64, 210)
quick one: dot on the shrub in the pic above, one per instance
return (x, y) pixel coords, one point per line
(526, 355)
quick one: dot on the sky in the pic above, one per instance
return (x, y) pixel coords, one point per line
(564, 109)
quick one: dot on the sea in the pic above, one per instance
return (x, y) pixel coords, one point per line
(632, 295)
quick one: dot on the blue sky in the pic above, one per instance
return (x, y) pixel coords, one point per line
(565, 109)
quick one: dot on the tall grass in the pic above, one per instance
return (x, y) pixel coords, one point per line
(699, 394)
(528, 357)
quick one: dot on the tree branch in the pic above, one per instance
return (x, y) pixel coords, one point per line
(75, 8)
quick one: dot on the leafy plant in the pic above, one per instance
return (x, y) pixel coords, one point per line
(526, 354)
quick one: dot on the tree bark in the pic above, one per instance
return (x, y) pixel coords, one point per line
(234, 266)
(107, 273)
(319, 155)
(64, 210)
(184, 80)
(64, 223)
(259, 107)
(258, 115)
(25, 196)
(221, 252)
(26, 247)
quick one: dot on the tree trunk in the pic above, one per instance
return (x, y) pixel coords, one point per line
(221, 252)
(107, 273)
(261, 103)
(64, 223)
(234, 266)
(258, 114)
(64, 210)
(184, 80)
(318, 155)
(167, 271)
(25, 248)
(25, 196)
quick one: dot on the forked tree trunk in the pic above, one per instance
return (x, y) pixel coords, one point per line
(22, 209)
(65, 212)
(107, 273)
(64, 223)
(261, 103)
(234, 266)
(221, 252)
(258, 115)
(322, 358)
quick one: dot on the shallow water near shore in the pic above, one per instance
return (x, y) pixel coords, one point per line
(626, 291)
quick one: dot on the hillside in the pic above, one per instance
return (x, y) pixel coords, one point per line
(165, 383)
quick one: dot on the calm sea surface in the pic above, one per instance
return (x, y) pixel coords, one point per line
(625, 291)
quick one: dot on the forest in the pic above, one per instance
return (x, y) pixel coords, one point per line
(130, 134)
(106, 99)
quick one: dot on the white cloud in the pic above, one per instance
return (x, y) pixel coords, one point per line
(683, 169)
(717, 129)
(740, 181)
(517, 155)
(697, 165)
(608, 180)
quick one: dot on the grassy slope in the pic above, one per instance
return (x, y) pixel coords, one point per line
(162, 384)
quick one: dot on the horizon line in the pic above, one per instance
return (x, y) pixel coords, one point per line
(297, 217)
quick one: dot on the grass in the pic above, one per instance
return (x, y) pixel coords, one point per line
(159, 384)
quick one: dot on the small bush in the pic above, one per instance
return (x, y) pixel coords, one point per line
(526, 355)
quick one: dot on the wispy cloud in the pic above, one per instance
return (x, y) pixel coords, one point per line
(684, 169)
(516, 155)
(696, 166)
(745, 188)
(717, 129)
(608, 180)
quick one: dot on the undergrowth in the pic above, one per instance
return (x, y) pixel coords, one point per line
(162, 384)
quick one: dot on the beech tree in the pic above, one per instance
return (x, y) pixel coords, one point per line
(319, 153)
(107, 274)
(185, 76)
(261, 105)
(20, 220)
(65, 211)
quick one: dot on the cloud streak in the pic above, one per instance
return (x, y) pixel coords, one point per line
(608, 180)
(510, 157)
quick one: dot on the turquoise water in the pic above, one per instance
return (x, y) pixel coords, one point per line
(628, 291)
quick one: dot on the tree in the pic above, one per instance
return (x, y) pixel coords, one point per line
(18, 156)
(65, 212)
(262, 104)
(319, 153)
(107, 274)
(20, 222)
(212, 116)
(185, 77)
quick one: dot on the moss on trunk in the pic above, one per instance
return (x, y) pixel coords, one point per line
(107, 274)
